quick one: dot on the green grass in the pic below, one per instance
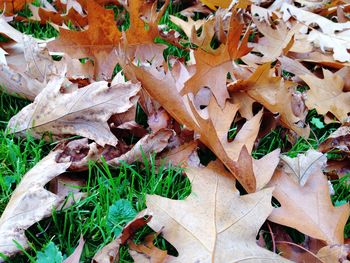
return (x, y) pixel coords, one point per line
(105, 186)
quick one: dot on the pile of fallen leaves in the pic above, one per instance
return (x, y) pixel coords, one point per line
(253, 65)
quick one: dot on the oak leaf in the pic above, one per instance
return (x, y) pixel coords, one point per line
(212, 66)
(214, 223)
(333, 36)
(29, 203)
(339, 139)
(147, 251)
(327, 95)
(27, 66)
(308, 208)
(213, 4)
(13, 6)
(212, 126)
(82, 112)
(110, 252)
(97, 42)
(273, 93)
(334, 253)
(276, 41)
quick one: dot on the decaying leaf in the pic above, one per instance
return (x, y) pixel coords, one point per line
(82, 112)
(29, 203)
(214, 223)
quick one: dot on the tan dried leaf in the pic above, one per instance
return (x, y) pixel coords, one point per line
(327, 95)
(215, 223)
(276, 41)
(147, 251)
(275, 94)
(110, 252)
(308, 208)
(334, 36)
(82, 112)
(29, 203)
(335, 253)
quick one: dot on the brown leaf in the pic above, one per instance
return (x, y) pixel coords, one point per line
(302, 253)
(212, 124)
(214, 222)
(97, 42)
(335, 253)
(75, 257)
(137, 33)
(147, 251)
(333, 36)
(327, 95)
(307, 207)
(152, 143)
(212, 69)
(276, 41)
(29, 203)
(13, 6)
(180, 155)
(339, 139)
(213, 4)
(28, 66)
(72, 16)
(273, 93)
(83, 112)
(110, 252)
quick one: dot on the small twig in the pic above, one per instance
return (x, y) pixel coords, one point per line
(272, 237)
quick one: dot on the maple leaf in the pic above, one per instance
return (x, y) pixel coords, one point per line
(97, 42)
(308, 208)
(84, 111)
(29, 203)
(327, 95)
(214, 223)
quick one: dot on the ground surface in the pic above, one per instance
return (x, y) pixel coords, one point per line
(107, 188)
